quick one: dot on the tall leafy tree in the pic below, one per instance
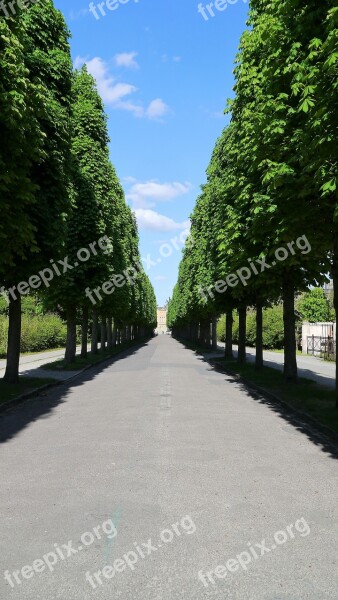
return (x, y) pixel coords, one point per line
(272, 177)
(314, 306)
(21, 144)
(89, 190)
(98, 211)
(47, 64)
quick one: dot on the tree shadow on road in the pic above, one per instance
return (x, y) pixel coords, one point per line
(42, 406)
(302, 422)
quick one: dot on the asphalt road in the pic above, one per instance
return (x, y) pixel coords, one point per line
(159, 468)
(35, 360)
(309, 367)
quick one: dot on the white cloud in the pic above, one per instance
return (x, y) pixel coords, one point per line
(112, 92)
(160, 278)
(126, 59)
(156, 109)
(154, 221)
(145, 195)
(115, 93)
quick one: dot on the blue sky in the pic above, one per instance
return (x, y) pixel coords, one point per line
(164, 71)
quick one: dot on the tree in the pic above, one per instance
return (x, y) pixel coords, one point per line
(20, 146)
(21, 142)
(99, 211)
(314, 306)
(42, 174)
(90, 190)
(272, 177)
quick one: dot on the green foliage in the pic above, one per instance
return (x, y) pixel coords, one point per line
(48, 66)
(221, 328)
(38, 333)
(31, 305)
(89, 189)
(21, 146)
(3, 306)
(59, 192)
(99, 209)
(314, 306)
(273, 328)
(273, 172)
(3, 335)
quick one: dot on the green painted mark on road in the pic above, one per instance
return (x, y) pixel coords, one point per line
(116, 518)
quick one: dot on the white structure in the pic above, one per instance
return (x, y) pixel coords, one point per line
(316, 337)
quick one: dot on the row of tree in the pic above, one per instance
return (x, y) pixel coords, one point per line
(58, 189)
(314, 306)
(272, 180)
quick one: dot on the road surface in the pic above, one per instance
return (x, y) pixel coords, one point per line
(157, 478)
(310, 367)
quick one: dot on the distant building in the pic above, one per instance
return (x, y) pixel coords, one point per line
(161, 320)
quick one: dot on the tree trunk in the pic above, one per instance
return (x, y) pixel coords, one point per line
(201, 336)
(14, 340)
(214, 333)
(228, 334)
(84, 332)
(259, 335)
(242, 335)
(109, 333)
(118, 334)
(70, 352)
(204, 340)
(95, 332)
(208, 334)
(103, 334)
(114, 334)
(289, 317)
(335, 299)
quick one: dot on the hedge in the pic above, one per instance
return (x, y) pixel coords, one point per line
(273, 331)
(38, 333)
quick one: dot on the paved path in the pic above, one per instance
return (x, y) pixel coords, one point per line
(30, 365)
(309, 367)
(187, 467)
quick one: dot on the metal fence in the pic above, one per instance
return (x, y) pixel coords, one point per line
(324, 347)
